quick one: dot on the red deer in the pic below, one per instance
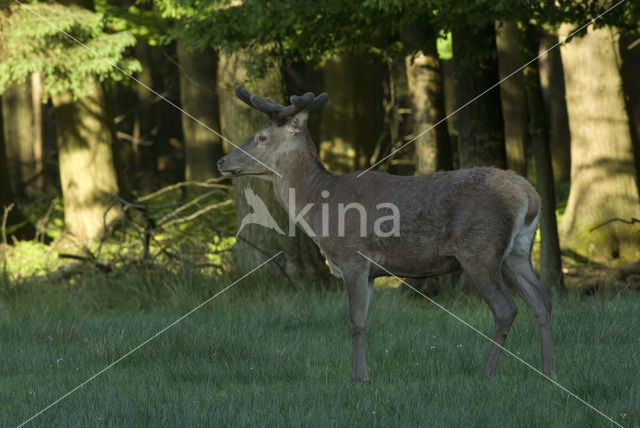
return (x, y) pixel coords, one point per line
(482, 220)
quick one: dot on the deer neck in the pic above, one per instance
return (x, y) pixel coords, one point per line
(304, 174)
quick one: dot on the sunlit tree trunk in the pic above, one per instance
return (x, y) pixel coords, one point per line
(480, 125)
(602, 166)
(550, 261)
(433, 149)
(301, 262)
(87, 173)
(513, 96)
(198, 97)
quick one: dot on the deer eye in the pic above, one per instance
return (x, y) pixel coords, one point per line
(262, 138)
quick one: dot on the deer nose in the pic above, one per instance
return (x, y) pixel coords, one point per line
(221, 163)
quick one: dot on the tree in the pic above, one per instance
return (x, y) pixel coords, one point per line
(85, 157)
(552, 81)
(513, 96)
(16, 223)
(480, 124)
(301, 262)
(602, 169)
(433, 149)
(351, 124)
(198, 96)
(71, 76)
(550, 261)
(17, 108)
(630, 71)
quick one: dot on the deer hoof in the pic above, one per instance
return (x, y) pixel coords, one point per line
(359, 379)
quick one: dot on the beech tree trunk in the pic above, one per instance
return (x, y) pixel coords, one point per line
(198, 97)
(301, 262)
(480, 125)
(433, 149)
(513, 96)
(602, 164)
(550, 260)
(87, 172)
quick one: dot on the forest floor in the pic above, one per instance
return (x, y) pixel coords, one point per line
(261, 354)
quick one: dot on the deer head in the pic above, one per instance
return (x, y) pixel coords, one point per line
(285, 133)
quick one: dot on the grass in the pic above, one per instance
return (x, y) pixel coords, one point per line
(262, 355)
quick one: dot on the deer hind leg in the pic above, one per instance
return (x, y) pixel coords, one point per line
(489, 282)
(517, 271)
(359, 289)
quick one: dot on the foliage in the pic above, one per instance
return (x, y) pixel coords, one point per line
(312, 30)
(30, 44)
(26, 259)
(195, 231)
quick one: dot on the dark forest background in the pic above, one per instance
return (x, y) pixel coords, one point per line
(103, 169)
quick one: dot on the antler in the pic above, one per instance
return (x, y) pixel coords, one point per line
(279, 113)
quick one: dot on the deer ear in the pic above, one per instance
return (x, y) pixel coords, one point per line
(298, 122)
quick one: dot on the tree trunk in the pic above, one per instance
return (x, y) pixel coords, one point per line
(602, 171)
(480, 125)
(301, 262)
(352, 123)
(433, 149)
(552, 81)
(16, 224)
(513, 96)
(630, 71)
(87, 173)
(448, 78)
(38, 132)
(198, 97)
(397, 127)
(550, 261)
(17, 107)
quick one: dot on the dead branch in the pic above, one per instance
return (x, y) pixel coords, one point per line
(611, 220)
(198, 213)
(183, 207)
(212, 182)
(42, 222)
(5, 216)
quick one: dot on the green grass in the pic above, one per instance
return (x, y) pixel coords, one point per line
(262, 355)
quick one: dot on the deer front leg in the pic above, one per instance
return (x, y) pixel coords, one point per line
(359, 291)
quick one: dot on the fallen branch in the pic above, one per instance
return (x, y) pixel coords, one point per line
(632, 221)
(212, 182)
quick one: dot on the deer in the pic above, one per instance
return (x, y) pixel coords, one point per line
(482, 220)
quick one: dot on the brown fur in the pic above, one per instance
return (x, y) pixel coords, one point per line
(480, 219)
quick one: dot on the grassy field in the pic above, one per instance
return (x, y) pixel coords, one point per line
(261, 355)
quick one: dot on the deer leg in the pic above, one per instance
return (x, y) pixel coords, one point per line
(518, 272)
(494, 292)
(359, 291)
